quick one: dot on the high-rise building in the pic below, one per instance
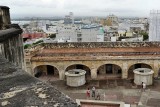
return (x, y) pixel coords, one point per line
(72, 17)
(69, 19)
(154, 28)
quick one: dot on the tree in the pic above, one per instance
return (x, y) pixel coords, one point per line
(27, 46)
(145, 35)
(40, 41)
(25, 25)
(53, 36)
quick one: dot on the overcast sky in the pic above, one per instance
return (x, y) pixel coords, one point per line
(51, 8)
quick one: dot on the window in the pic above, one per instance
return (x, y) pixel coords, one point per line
(79, 35)
(79, 39)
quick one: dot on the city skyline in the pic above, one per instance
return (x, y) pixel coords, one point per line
(51, 8)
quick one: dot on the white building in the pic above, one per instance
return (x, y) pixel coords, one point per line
(49, 29)
(154, 28)
(113, 39)
(69, 19)
(67, 33)
(133, 39)
(87, 33)
(121, 32)
(129, 26)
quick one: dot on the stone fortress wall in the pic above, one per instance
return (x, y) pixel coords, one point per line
(11, 46)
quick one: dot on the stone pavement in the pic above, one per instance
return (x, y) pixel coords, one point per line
(118, 90)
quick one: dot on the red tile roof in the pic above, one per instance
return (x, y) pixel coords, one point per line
(33, 35)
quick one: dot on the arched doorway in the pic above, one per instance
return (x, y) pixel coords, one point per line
(83, 67)
(46, 72)
(135, 66)
(109, 71)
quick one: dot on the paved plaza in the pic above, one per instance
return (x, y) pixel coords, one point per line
(114, 90)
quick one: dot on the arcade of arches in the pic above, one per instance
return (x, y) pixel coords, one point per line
(109, 71)
(135, 66)
(96, 70)
(46, 71)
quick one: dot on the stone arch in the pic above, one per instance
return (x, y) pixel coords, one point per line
(46, 72)
(108, 71)
(80, 66)
(35, 64)
(135, 66)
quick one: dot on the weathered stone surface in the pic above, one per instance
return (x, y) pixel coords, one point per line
(9, 33)
(11, 46)
(101, 44)
(18, 89)
(153, 102)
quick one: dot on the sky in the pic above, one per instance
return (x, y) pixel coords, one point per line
(52, 8)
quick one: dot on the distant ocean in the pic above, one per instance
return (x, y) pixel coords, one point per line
(28, 22)
(20, 22)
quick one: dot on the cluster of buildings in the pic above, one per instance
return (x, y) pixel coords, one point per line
(77, 31)
(122, 29)
(67, 30)
(95, 29)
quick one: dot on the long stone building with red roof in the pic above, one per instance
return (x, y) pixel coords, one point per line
(107, 60)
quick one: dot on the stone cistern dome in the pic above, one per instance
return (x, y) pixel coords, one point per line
(75, 77)
(143, 75)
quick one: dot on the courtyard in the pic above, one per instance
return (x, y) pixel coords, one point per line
(112, 90)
